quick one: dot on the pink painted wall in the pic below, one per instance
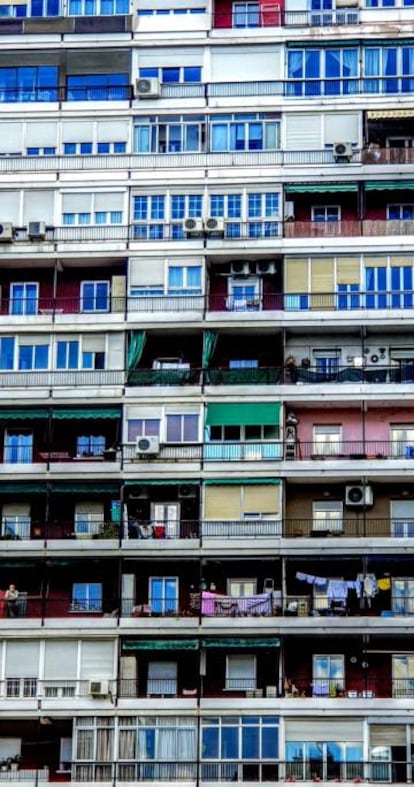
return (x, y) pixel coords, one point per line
(377, 422)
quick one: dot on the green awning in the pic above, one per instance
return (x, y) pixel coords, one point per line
(79, 487)
(161, 482)
(320, 188)
(67, 413)
(389, 185)
(24, 488)
(22, 414)
(236, 642)
(243, 414)
(239, 481)
(161, 644)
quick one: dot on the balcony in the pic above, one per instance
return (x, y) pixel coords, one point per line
(349, 228)
(356, 450)
(368, 526)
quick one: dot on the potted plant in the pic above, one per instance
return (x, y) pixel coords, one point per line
(15, 762)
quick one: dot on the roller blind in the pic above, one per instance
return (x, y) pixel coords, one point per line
(146, 272)
(263, 499)
(77, 203)
(92, 507)
(41, 134)
(222, 502)
(11, 135)
(58, 654)
(9, 206)
(387, 734)
(97, 659)
(341, 127)
(296, 276)
(136, 412)
(180, 57)
(397, 262)
(22, 659)
(115, 351)
(109, 201)
(348, 270)
(38, 206)
(303, 132)
(77, 131)
(112, 130)
(93, 343)
(15, 509)
(325, 730)
(322, 275)
(375, 262)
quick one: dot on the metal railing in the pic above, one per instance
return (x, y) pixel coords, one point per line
(54, 689)
(247, 528)
(273, 16)
(356, 449)
(363, 525)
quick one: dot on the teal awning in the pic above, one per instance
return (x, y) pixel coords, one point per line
(22, 414)
(243, 414)
(23, 488)
(239, 481)
(162, 482)
(235, 642)
(320, 188)
(161, 644)
(80, 487)
(71, 413)
(389, 185)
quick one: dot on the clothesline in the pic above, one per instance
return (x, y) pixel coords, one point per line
(365, 585)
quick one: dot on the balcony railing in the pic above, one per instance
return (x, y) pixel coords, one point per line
(273, 16)
(358, 526)
(356, 450)
(56, 689)
(348, 228)
(248, 528)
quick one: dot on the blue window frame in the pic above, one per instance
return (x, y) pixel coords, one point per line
(173, 75)
(348, 296)
(322, 71)
(67, 355)
(45, 8)
(87, 596)
(7, 353)
(98, 87)
(163, 595)
(95, 296)
(33, 356)
(29, 84)
(376, 288)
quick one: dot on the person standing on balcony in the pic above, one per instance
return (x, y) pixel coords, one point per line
(11, 597)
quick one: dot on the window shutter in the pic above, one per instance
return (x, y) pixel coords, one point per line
(322, 281)
(15, 509)
(116, 351)
(222, 502)
(77, 203)
(303, 132)
(387, 734)
(118, 293)
(341, 127)
(11, 137)
(129, 676)
(146, 272)
(109, 201)
(348, 270)
(343, 730)
(22, 659)
(397, 262)
(77, 131)
(9, 206)
(296, 276)
(261, 499)
(112, 130)
(58, 654)
(162, 669)
(135, 413)
(91, 508)
(375, 262)
(41, 135)
(38, 206)
(97, 659)
(93, 343)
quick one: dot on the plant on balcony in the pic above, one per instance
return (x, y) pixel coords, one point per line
(109, 530)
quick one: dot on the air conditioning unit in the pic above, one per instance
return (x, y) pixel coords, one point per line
(359, 496)
(289, 210)
(240, 269)
(148, 88)
(265, 268)
(342, 151)
(193, 228)
(187, 491)
(99, 688)
(36, 230)
(139, 493)
(214, 226)
(6, 232)
(147, 445)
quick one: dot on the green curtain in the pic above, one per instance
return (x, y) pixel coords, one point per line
(137, 341)
(209, 346)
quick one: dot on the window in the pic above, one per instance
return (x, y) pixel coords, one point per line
(163, 595)
(162, 678)
(94, 741)
(15, 521)
(183, 205)
(240, 673)
(7, 353)
(403, 596)
(240, 748)
(93, 360)
(324, 760)
(33, 356)
(169, 134)
(67, 355)
(13, 11)
(241, 588)
(327, 440)
(48, 151)
(18, 447)
(246, 14)
(86, 597)
(29, 83)
(244, 132)
(174, 75)
(21, 687)
(184, 280)
(348, 296)
(403, 675)
(244, 294)
(89, 518)
(45, 8)
(77, 148)
(393, 65)
(402, 518)
(338, 67)
(95, 296)
(244, 433)
(228, 206)
(24, 298)
(143, 427)
(400, 212)
(376, 287)
(328, 675)
(162, 748)
(327, 515)
(149, 213)
(90, 445)
(182, 428)
(98, 7)
(111, 147)
(327, 364)
(402, 439)
(72, 219)
(326, 213)
(98, 87)
(243, 364)
(260, 209)
(165, 518)
(108, 217)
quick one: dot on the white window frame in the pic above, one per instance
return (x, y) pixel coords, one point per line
(162, 685)
(95, 284)
(247, 683)
(325, 209)
(400, 206)
(243, 584)
(327, 515)
(327, 439)
(328, 685)
(404, 523)
(242, 303)
(161, 516)
(25, 298)
(402, 439)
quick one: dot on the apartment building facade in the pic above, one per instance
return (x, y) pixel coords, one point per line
(206, 369)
